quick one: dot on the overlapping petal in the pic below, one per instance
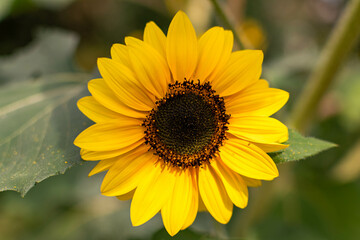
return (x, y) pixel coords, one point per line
(155, 37)
(119, 52)
(149, 66)
(215, 47)
(247, 159)
(151, 195)
(105, 96)
(261, 84)
(95, 111)
(103, 166)
(194, 201)
(251, 182)
(258, 129)
(223, 62)
(242, 70)
(126, 88)
(127, 173)
(214, 195)
(234, 184)
(177, 209)
(110, 135)
(260, 102)
(127, 196)
(96, 155)
(271, 147)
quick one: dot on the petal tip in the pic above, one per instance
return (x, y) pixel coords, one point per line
(101, 60)
(151, 23)
(135, 221)
(132, 41)
(286, 95)
(275, 173)
(180, 13)
(181, 16)
(80, 103)
(172, 232)
(76, 141)
(259, 55)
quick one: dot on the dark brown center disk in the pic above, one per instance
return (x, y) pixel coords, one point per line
(187, 126)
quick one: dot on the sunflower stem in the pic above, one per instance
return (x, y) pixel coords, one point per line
(342, 40)
(227, 22)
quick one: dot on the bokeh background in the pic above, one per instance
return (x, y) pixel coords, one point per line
(317, 198)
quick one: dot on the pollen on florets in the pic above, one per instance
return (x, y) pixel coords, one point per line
(188, 125)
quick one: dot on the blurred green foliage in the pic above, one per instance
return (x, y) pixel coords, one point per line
(312, 199)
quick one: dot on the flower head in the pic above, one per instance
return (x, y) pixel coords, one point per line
(181, 124)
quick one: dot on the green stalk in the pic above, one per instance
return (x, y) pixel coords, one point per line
(342, 40)
(227, 22)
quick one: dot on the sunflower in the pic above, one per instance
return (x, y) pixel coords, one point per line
(181, 124)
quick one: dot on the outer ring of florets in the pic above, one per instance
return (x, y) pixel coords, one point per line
(176, 158)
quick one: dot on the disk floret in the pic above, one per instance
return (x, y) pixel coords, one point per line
(187, 126)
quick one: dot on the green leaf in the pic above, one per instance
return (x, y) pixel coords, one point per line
(51, 52)
(39, 121)
(300, 147)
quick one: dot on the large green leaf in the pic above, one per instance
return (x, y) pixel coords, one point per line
(51, 52)
(300, 148)
(39, 121)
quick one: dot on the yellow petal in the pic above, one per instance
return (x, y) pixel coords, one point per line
(214, 195)
(100, 155)
(247, 159)
(261, 84)
(155, 37)
(126, 88)
(227, 48)
(242, 70)
(106, 97)
(110, 135)
(103, 165)
(214, 50)
(176, 210)
(119, 52)
(194, 201)
(266, 147)
(261, 102)
(127, 173)
(152, 193)
(258, 129)
(202, 207)
(115, 161)
(181, 47)
(126, 196)
(234, 184)
(271, 147)
(250, 182)
(149, 66)
(95, 111)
